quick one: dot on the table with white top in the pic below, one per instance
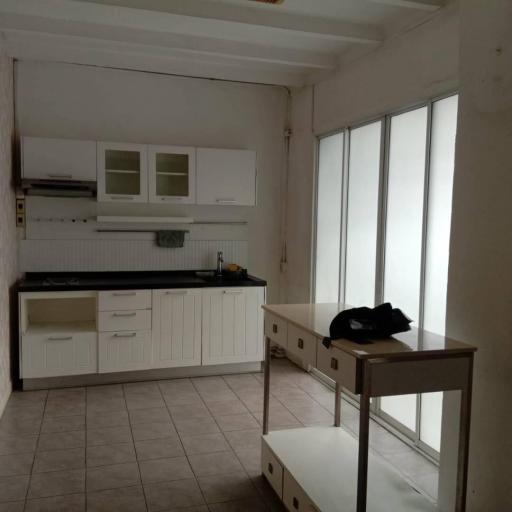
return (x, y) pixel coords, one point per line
(326, 469)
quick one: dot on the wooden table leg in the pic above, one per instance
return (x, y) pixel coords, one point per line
(464, 428)
(364, 435)
(337, 405)
(266, 386)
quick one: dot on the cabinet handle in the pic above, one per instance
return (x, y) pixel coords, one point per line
(300, 343)
(124, 314)
(296, 503)
(176, 292)
(334, 363)
(232, 292)
(225, 201)
(57, 175)
(274, 328)
(122, 198)
(124, 294)
(270, 468)
(60, 338)
(125, 335)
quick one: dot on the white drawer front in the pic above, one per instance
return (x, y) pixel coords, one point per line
(339, 366)
(58, 354)
(139, 320)
(120, 300)
(294, 497)
(302, 345)
(124, 351)
(271, 468)
(275, 329)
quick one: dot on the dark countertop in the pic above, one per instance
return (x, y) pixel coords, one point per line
(66, 281)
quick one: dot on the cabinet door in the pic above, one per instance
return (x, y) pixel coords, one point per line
(172, 174)
(122, 172)
(58, 354)
(226, 177)
(176, 328)
(124, 351)
(232, 325)
(58, 159)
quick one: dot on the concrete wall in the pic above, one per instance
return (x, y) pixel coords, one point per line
(65, 100)
(409, 68)
(8, 240)
(480, 273)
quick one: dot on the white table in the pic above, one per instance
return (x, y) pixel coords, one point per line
(413, 362)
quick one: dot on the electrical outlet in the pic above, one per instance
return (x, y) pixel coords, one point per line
(20, 212)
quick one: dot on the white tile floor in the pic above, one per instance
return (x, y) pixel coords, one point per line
(177, 445)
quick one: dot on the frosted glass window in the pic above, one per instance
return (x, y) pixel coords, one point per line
(404, 230)
(328, 221)
(404, 221)
(430, 419)
(442, 160)
(362, 214)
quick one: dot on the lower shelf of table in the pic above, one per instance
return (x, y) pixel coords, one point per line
(323, 463)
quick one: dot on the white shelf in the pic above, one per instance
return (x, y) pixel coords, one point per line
(323, 461)
(146, 220)
(172, 173)
(122, 171)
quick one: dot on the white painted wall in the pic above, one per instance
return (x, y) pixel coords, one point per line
(479, 302)
(409, 68)
(65, 100)
(8, 238)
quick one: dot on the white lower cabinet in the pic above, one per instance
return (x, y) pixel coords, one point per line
(232, 325)
(294, 498)
(58, 354)
(124, 351)
(176, 328)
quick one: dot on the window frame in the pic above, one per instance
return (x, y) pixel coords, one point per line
(412, 437)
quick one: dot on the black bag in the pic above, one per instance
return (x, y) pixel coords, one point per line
(362, 324)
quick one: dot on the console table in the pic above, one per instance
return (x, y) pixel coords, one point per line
(326, 469)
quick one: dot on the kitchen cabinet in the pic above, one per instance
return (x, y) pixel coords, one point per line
(172, 174)
(226, 177)
(58, 159)
(232, 325)
(122, 172)
(176, 328)
(124, 351)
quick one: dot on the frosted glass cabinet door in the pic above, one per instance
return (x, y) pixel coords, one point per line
(122, 172)
(172, 174)
(176, 328)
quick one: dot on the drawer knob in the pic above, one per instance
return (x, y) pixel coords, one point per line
(295, 503)
(270, 468)
(300, 343)
(334, 363)
(274, 328)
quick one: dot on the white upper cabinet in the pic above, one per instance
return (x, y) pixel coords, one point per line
(226, 177)
(58, 159)
(122, 172)
(172, 174)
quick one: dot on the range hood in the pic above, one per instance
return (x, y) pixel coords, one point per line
(58, 187)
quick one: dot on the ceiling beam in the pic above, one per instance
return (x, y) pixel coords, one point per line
(422, 5)
(194, 16)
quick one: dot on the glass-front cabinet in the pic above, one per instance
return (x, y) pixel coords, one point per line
(122, 172)
(172, 174)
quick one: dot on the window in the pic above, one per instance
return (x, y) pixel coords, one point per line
(384, 195)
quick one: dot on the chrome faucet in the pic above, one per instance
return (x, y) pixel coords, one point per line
(220, 261)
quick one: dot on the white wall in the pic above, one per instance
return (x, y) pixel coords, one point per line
(8, 239)
(409, 68)
(479, 303)
(65, 100)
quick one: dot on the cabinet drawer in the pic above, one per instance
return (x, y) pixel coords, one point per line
(58, 354)
(125, 320)
(302, 344)
(120, 300)
(124, 351)
(272, 469)
(294, 498)
(275, 329)
(339, 366)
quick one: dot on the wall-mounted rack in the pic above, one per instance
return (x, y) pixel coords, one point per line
(144, 220)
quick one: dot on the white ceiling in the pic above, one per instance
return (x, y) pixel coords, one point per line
(286, 44)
